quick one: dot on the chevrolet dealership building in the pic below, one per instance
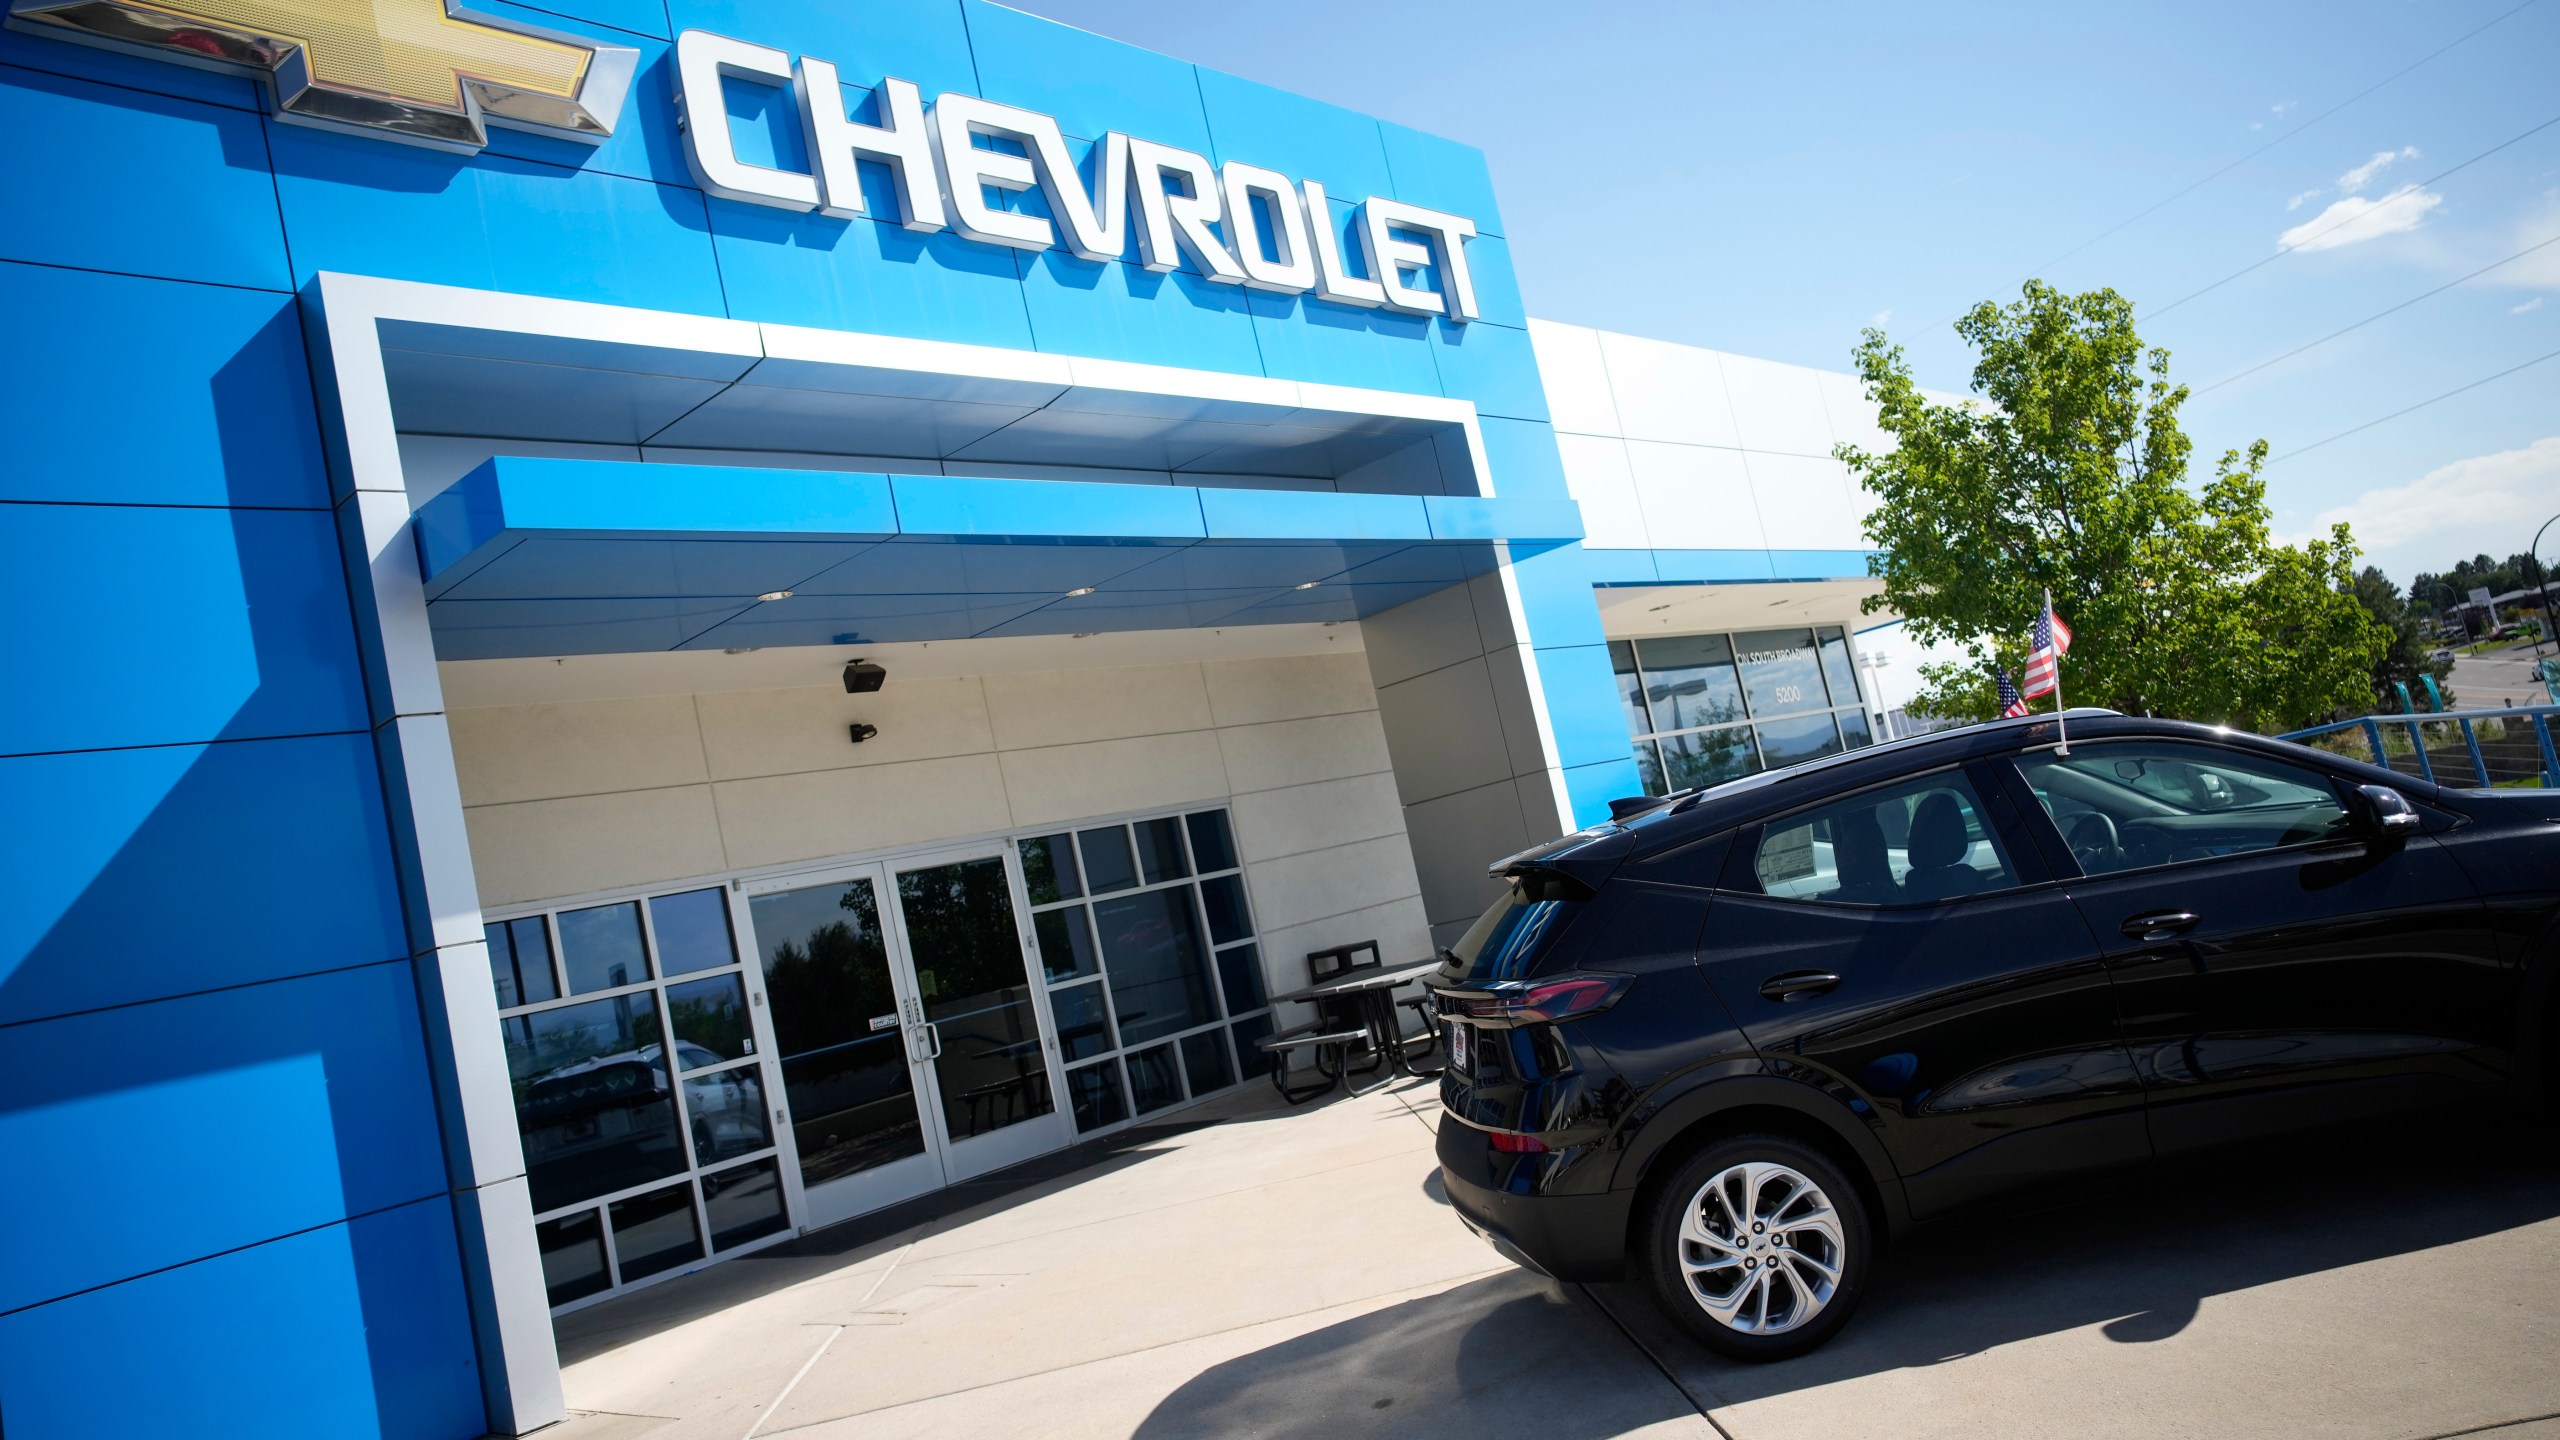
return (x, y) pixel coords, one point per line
(647, 625)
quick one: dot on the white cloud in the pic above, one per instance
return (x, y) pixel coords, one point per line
(1878, 319)
(2475, 506)
(2278, 110)
(2297, 201)
(2355, 219)
(2361, 176)
(2527, 307)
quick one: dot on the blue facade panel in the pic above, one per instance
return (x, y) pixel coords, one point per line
(224, 381)
(1127, 312)
(261, 1110)
(925, 41)
(1491, 365)
(351, 1332)
(139, 874)
(865, 275)
(1089, 83)
(1442, 175)
(168, 625)
(1301, 138)
(92, 149)
(357, 205)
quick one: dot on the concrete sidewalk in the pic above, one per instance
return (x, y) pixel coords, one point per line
(1297, 1274)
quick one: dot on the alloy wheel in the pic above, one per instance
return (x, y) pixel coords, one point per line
(1761, 1248)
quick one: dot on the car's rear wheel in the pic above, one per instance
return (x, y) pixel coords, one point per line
(1759, 1247)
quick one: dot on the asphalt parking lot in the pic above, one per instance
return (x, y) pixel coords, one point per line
(1296, 1274)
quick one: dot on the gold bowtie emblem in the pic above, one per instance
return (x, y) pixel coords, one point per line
(413, 69)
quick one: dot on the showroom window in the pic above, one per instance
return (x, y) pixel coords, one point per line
(1704, 709)
(639, 1092)
(1154, 971)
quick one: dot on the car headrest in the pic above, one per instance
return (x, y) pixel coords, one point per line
(1937, 832)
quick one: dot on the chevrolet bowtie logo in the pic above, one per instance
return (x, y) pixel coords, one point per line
(416, 70)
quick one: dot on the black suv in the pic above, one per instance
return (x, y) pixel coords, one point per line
(1735, 1038)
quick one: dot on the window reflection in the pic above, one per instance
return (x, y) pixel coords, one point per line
(1781, 673)
(1151, 946)
(835, 1021)
(693, 932)
(1689, 681)
(711, 1021)
(600, 947)
(593, 1101)
(970, 973)
(520, 961)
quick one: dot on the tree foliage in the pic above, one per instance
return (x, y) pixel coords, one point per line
(2069, 471)
(2404, 658)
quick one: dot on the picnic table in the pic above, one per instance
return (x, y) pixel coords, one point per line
(1357, 1008)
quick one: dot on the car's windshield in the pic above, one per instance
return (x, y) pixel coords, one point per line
(2122, 805)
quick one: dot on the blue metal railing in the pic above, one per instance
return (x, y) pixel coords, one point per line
(2447, 747)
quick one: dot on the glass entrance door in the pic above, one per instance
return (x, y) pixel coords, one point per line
(840, 1003)
(978, 1013)
(912, 1044)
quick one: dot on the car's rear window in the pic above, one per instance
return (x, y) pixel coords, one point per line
(1913, 843)
(1514, 930)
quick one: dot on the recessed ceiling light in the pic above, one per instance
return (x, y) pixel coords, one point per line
(1665, 605)
(1084, 634)
(775, 595)
(1079, 590)
(1310, 585)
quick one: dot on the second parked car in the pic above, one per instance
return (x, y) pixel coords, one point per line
(1732, 1041)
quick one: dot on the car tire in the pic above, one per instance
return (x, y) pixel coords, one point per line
(1778, 1288)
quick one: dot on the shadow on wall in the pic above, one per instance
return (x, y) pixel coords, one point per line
(209, 1029)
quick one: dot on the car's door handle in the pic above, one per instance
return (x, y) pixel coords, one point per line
(2160, 924)
(1798, 984)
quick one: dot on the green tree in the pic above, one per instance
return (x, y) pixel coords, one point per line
(2404, 659)
(2069, 471)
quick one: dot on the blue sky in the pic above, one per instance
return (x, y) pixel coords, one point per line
(1770, 178)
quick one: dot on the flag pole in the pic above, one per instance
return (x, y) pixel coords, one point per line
(2061, 728)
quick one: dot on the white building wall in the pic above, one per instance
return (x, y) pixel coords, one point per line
(1675, 447)
(573, 796)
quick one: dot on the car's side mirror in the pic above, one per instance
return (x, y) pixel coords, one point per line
(2385, 814)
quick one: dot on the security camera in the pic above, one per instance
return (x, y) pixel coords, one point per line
(862, 732)
(861, 677)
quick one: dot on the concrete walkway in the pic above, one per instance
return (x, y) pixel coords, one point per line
(1296, 1274)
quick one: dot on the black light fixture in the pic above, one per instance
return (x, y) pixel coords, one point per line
(862, 732)
(861, 677)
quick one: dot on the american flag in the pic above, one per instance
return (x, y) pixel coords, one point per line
(2011, 706)
(2052, 641)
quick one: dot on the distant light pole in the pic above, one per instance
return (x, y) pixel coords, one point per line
(2542, 585)
(1875, 663)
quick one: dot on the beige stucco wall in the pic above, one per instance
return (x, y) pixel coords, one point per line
(577, 796)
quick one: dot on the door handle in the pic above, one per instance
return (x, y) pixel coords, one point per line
(1798, 984)
(933, 1033)
(2160, 925)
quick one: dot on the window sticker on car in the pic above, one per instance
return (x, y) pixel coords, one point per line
(1458, 1048)
(1787, 855)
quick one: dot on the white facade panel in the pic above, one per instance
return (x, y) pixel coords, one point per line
(1596, 473)
(1696, 497)
(1806, 502)
(1668, 392)
(1777, 407)
(1576, 378)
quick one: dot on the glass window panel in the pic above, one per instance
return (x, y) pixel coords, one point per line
(711, 1021)
(1649, 769)
(1780, 672)
(1622, 662)
(1837, 667)
(727, 1112)
(1204, 1061)
(520, 961)
(1223, 898)
(1915, 843)
(1096, 1094)
(1255, 1061)
(1160, 850)
(573, 1256)
(1689, 681)
(1154, 1083)
(1084, 1022)
(743, 1204)
(835, 1021)
(655, 1232)
(2128, 806)
(1107, 866)
(1787, 742)
(1854, 730)
(1151, 950)
(1708, 757)
(693, 931)
(1066, 943)
(593, 1102)
(600, 948)
(1240, 975)
(976, 986)
(1211, 847)
(1049, 869)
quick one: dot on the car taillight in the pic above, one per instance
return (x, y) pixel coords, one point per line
(1512, 1142)
(1530, 1002)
